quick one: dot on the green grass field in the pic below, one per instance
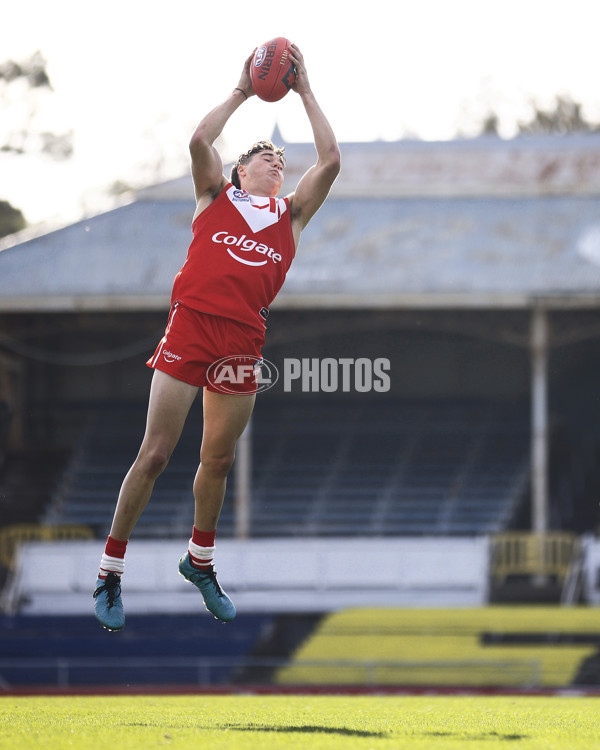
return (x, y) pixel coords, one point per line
(274, 722)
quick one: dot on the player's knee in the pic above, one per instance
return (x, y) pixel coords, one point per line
(218, 465)
(154, 461)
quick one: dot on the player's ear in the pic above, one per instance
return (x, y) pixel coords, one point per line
(241, 170)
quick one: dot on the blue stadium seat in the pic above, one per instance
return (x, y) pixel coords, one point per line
(324, 468)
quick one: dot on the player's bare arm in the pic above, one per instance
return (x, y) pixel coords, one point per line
(207, 167)
(314, 186)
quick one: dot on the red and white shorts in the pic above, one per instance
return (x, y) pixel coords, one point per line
(209, 351)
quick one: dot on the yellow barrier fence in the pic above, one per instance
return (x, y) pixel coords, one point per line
(12, 536)
(523, 554)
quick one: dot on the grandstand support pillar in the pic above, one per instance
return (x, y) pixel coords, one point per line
(12, 379)
(539, 421)
(243, 483)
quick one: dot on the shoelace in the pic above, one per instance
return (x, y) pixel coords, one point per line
(112, 586)
(212, 574)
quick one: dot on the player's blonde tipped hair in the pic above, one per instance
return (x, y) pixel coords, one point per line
(255, 149)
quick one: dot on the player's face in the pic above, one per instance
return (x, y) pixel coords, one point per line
(262, 174)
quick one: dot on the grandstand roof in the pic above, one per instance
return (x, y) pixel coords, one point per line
(482, 222)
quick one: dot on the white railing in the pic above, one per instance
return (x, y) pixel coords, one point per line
(62, 672)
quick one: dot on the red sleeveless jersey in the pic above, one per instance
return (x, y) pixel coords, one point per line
(239, 256)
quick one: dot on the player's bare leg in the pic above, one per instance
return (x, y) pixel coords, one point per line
(168, 406)
(225, 417)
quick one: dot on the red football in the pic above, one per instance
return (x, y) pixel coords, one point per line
(271, 71)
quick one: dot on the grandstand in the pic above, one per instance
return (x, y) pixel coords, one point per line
(499, 647)
(428, 269)
(64, 650)
(358, 469)
(473, 267)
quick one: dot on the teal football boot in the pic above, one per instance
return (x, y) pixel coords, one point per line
(108, 604)
(215, 599)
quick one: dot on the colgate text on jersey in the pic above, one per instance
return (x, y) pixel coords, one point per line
(246, 245)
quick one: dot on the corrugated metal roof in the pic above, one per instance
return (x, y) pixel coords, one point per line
(132, 252)
(477, 245)
(426, 247)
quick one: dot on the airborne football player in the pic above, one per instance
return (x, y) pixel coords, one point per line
(244, 240)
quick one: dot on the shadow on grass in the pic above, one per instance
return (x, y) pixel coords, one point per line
(346, 732)
(343, 731)
(304, 729)
(485, 736)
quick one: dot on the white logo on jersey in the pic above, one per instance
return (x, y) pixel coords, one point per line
(245, 245)
(170, 357)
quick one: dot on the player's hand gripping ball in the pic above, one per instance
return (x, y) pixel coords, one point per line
(272, 72)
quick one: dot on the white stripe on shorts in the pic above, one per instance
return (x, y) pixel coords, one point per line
(163, 341)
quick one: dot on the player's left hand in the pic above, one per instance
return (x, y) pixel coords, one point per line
(301, 85)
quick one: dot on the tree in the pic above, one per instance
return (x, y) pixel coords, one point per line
(564, 115)
(20, 86)
(23, 87)
(11, 219)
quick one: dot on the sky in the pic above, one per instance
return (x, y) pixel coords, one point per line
(131, 79)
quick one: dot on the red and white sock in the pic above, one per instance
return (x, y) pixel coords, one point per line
(202, 548)
(113, 559)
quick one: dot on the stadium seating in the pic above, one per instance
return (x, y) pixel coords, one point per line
(323, 467)
(486, 646)
(72, 650)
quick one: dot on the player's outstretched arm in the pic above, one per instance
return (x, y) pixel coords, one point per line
(314, 186)
(207, 167)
